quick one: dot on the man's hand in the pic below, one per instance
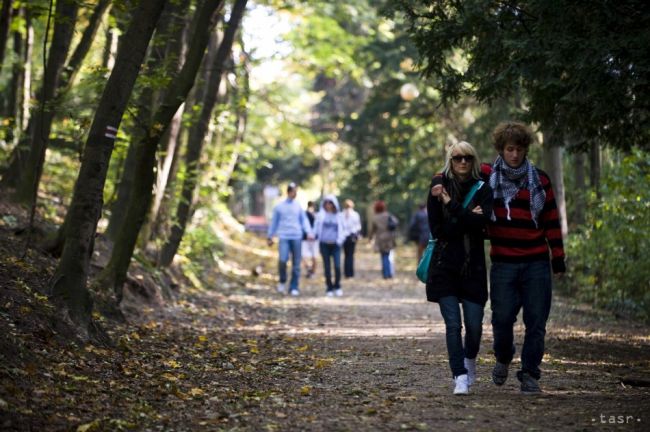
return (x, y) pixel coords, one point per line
(311, 237)
(477, 210)
(269, 241)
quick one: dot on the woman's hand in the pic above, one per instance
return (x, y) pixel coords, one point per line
(440, 192)
(477, 210)
(436, 190)
(444, 196)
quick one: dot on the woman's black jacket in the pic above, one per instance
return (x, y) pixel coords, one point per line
(458, 263)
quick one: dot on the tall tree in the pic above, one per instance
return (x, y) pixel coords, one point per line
(198, 135)
(160, 63)
(14, 101)
(26, 190)
(26, 161)
(5, 21)
(69, 282)
(83, 47)
(583, 66)
(114, 275)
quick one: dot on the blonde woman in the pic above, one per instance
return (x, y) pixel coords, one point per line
(457, 275)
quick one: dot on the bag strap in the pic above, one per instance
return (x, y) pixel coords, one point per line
(478, 185)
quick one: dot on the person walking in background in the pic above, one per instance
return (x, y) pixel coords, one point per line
(352, 224)
(419, 230)
(330, 231)
(289, 222)
(383, 228)
(309, 246)
(459, 207)
(524, 225)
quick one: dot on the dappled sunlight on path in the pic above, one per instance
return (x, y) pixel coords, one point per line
(370, 305)
(382, 358)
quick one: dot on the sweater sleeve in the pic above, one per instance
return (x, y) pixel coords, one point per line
(434, 209)
(549, 220)
(466, 216)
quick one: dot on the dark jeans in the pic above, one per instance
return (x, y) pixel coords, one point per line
(331, 252)
(386, 266)
(513, 286)
(295, 248)
(348, 261)
(473, 319)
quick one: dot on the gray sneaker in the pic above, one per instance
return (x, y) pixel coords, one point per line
(529, 384)
(500, 373)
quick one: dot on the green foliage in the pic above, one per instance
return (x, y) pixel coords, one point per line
(201, 245)
(609, 256)
(582, 65)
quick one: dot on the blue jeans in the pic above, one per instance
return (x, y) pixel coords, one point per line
(473, 318)
(386, 265)
(295, 247)
(331, 252)
(513, 286)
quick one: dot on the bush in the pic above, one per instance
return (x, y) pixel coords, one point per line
(609, 263)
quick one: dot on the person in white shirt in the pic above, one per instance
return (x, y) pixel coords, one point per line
(352, 225)
(310, 246)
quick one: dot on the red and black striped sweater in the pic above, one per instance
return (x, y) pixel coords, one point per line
(518, 239)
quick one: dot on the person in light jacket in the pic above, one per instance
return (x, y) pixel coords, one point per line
(330, 231)
(289, 222)
(352, 222)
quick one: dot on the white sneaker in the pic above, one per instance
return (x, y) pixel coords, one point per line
(282, 288)
(338, 292)
(294, 293)
(462, 388)
(470, 365)
(329, 294)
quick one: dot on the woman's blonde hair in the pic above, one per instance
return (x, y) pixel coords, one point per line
(464, 148)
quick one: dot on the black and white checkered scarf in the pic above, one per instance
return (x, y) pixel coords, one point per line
(506, 181)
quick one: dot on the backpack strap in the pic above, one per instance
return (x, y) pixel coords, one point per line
(468, 198)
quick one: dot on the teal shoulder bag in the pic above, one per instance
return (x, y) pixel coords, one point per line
(422, 271)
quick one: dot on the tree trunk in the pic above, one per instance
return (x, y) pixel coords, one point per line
(114, 274)
(165, 33)
(14, 101)
(80, 52)
(242, 96)
(553, 166)
(165, 171)
(5, 22)
(69, 286)
(595, 167)
(27, 167)
(61, 79)
(580, 188)
(110, 48)
(27, 71)
(124, 187)
(198, 134)
(170, 142)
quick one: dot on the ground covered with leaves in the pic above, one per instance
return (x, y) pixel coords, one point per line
(229, 353)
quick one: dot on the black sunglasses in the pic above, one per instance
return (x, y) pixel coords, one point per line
(459, 158)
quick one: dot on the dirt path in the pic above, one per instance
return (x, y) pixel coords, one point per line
(381, 364)
(237, 356)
